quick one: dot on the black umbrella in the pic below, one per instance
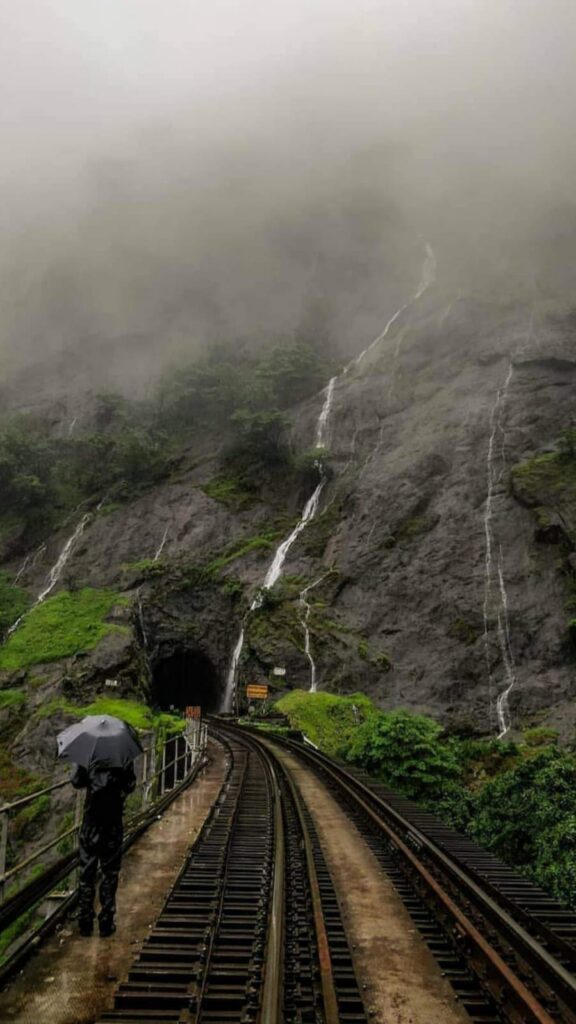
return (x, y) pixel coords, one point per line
(100, 738)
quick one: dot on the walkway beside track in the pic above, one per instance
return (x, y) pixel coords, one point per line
(72, 980)
(403, 981)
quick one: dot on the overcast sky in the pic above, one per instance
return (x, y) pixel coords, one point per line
(152, 148)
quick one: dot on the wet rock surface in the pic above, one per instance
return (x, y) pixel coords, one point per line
(461, 392)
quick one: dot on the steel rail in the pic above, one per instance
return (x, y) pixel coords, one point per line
(273, 986)
(524, 1006)
(216, 950)
(329, 1000)
(351, 1003)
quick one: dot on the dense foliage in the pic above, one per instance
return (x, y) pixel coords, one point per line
(516, 799)
(234, 398)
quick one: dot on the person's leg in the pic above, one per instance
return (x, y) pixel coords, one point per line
(88, 852)
(110, 858)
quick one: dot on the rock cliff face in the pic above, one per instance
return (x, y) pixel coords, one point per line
(441, 553)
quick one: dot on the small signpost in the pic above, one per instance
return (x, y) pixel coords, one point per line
(257, 691)
(193, 711)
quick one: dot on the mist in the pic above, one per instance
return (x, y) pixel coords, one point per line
(179, 174)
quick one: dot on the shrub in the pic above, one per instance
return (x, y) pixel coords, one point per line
(406, 752)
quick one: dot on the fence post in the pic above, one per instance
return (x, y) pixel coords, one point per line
(151, 768)
(3, 848)
(163, 771)
(78, 809)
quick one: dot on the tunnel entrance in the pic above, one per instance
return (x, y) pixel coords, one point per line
(186, 677)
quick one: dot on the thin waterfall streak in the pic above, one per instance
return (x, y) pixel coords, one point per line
(311, 507)
(72, 425)
(304, 621)
(500, 425)
(29, 561)
(358, 359)
(162, 545)
(500, 598)
(502, 705)
(56, 570)
(141, 618)
(488, 549)
(230, 690)
(323, 419)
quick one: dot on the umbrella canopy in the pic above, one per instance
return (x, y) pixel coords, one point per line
(100, 738)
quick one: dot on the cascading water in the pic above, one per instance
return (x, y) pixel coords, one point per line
(162, 545)
(29, 562)
(57, 569)
(277, 565)
(495, 596)
(304, 615)
(310, 509)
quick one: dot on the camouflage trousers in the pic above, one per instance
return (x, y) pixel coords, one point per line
(100, 846)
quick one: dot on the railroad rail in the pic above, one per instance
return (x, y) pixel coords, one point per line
(504, 944)
(251, 930)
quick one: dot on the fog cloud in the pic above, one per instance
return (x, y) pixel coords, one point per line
(183, 172)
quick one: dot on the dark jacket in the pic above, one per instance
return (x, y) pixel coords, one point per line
(106, 790)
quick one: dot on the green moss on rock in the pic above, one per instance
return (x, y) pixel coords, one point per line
(329, 721)
(61, 626)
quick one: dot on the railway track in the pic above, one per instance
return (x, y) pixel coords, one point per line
(251, 931)
(507, 947)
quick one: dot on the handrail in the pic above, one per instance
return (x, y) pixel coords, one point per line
(23, 800)
(144, 785)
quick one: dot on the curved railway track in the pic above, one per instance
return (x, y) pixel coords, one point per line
(507, 947)
(251, 931)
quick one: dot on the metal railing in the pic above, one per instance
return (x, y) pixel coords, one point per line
(164, 766)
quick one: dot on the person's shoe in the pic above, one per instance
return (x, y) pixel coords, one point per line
(85, 928)
(107, 928)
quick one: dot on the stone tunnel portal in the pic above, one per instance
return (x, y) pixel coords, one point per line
(185, 678)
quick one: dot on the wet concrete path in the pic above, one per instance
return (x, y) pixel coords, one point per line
(404, 982)
(72, 980)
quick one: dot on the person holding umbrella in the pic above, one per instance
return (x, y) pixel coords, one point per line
(103, 749)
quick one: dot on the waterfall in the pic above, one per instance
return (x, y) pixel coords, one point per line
(30, 560)
(162, 544)
(496, 596)
(72, 425)
(57, 569)
(427, 278)
(277, 564)
(304, 614)
(141, 617)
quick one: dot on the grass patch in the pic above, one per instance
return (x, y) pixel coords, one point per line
(14, 780)
(12, 698)
(264, 541)
(329, 721)
(63, 625)
(230, 492)
(139, 716)
(547, 483)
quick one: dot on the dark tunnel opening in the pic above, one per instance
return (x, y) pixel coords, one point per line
(186, 678)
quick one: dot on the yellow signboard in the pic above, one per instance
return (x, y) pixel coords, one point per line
(257, 692)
